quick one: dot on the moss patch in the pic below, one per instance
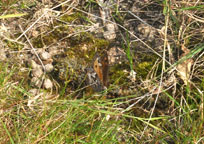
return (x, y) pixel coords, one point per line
(146, 64)
(71, 18)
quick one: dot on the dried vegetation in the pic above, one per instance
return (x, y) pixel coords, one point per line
(154, 74)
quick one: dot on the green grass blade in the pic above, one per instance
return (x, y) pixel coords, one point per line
(12, 15)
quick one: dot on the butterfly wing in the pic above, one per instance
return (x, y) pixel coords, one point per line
(101, 66)
(105, 68)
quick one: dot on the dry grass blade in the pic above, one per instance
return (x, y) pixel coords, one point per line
(104, 71)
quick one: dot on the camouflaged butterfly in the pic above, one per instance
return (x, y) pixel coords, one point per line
(97, 75)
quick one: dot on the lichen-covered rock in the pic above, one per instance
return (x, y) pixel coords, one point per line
(45, 55)
(48, 84)
(36, 82)
(37, 72)
(49, 68)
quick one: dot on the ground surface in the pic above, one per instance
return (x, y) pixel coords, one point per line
(104, 71)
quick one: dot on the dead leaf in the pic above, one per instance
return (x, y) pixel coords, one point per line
(184, 68)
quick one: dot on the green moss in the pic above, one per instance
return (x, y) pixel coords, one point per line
(118, 75)
(92, 45)
(37, 42)
(51, 38)
(71, 18)
(142, 68)
(202, 84)
(145, 66)
(101, 44)
(13, 45)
